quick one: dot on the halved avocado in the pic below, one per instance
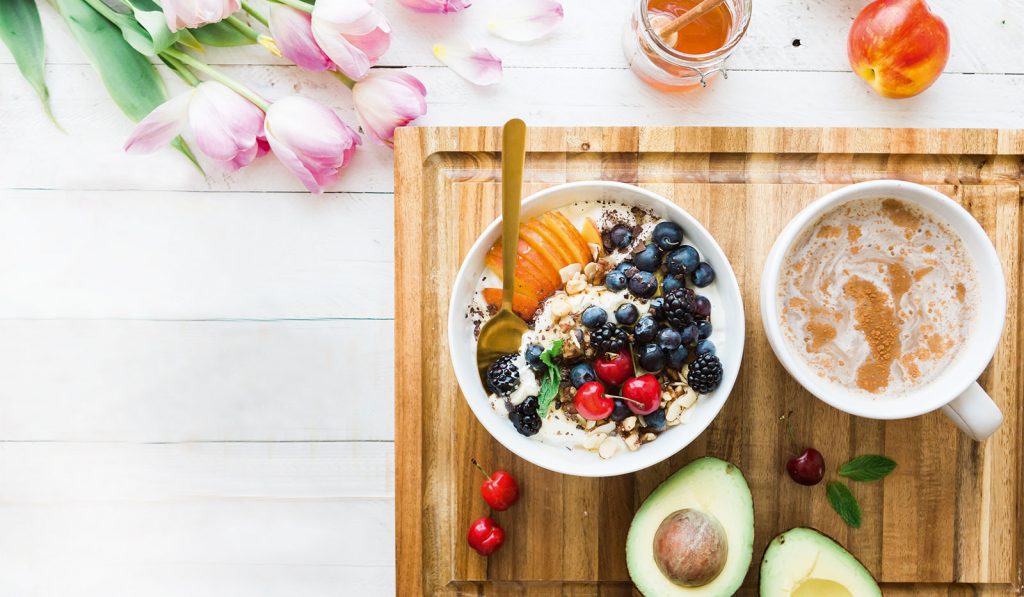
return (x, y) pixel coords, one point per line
(804, 563)
(694, 535)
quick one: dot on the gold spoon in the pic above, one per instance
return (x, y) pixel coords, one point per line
(503, 333)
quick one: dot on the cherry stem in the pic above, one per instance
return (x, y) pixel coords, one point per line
(787, 419)
(479, 468)
(630, 400)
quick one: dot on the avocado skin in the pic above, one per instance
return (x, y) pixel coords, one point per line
(867, 586)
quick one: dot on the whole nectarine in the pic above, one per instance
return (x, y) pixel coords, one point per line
(898, 46)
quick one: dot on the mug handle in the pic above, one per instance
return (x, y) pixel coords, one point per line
(975, 413)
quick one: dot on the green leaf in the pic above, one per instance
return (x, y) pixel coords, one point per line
(552, 379)
(130, 79)
(22, 33)
(870, 467)
(844, 503)
(221, 35)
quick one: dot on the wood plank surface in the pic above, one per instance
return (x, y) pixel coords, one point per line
(948, 521)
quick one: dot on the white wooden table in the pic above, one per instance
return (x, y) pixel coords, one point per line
(196, 393)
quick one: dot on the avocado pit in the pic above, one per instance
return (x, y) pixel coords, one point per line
(690, 547)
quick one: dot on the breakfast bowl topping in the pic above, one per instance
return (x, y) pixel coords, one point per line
(619, 346)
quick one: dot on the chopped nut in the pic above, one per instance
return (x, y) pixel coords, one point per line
(576, 284)
(633, 442)
(688, 399)
(559, 308)
(666, 396)
(608, 448)
(590, 425)
(569, 271)
(648, 437)
(595, 250)
(629, 423)
(674, 423)
(589, 270)
(606, 428)
(592, 441)
(673, 411)
(672, 374)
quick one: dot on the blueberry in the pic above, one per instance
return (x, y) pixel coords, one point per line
(669, 339)
(648, 260)
(705, 346)
(701, 307)
(683, 260)
(620, 237)
(615, 281)
(620, 411)
(703, 275)
(532, 355)
(672, 282)
(656, 309)
(703, 330)
(594, 317)
(645, 330)
(625, 266)
(652, 358)
(656, 420)
(667, 235)
(677, 357)
(627, 314)
(643, 285)
(689, 334)
(581, 374)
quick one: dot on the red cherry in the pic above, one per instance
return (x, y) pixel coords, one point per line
(485, 536)
(808, 468)
(500, 490)
(644, 394)
(591, 402)
(613, 369)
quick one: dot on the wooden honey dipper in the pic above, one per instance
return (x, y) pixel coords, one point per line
(673, 26)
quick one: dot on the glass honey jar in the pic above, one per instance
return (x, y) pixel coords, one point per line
(693, 56)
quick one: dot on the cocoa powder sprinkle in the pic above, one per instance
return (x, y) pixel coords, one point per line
(876, 318)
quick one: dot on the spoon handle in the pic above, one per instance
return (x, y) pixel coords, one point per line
(513, 158)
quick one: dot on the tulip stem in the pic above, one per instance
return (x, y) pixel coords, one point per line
(255, 13)
(242, 27)
(181, 70)
(296, 4)
(218, 76)
(350, 83)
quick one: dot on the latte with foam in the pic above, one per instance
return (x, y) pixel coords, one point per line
(877, 296)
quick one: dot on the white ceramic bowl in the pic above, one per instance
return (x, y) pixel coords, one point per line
(726, 317)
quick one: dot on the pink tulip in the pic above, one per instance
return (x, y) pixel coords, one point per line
(442, 6)
(293, 32)
(310, 140)
(352, 33)
(387, 100)
(186, 14)
(227, 127)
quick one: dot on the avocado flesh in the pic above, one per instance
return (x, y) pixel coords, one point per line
(804, 563)
(713, 487)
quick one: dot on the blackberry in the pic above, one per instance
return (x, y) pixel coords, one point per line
(705, 373)
(609, 338)
(678, 307)
(525, 418)
(503, 376)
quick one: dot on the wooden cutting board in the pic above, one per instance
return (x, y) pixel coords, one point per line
(948, 521)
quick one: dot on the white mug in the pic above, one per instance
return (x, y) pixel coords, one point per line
(955, 390)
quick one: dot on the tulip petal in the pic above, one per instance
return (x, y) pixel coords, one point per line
(438, 6)
(310, 140)
(352, 33)
(387, 100)
(526, 20)
(293, 33)
(225, 125)
(188, 14)
(160, 126)
(477, 65)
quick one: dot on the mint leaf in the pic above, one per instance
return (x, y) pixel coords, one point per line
(870, 467)
(844, 503)
(552, 379)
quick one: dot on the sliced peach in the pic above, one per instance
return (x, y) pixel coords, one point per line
(528, 280)
(523, 306)
(543, 247)
(592, 235)
(575, 236)
(565, 237)
(542, 270)
(551, 240)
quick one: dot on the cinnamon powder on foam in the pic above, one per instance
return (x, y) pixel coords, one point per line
(875, 312)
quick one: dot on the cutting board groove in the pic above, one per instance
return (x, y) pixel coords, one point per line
(947, 522)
